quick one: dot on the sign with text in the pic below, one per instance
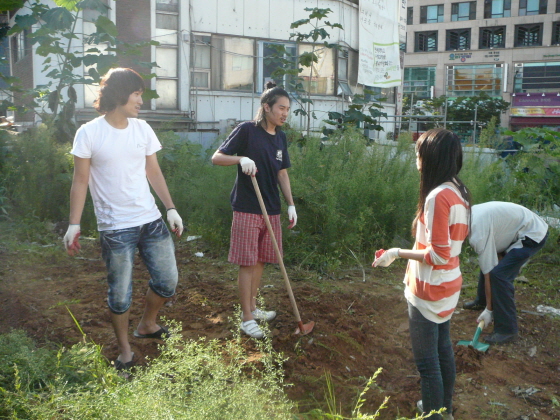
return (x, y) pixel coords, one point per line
(536, 99)
(379, 43)
(535, 112)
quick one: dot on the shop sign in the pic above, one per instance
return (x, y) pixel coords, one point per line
(535, 112)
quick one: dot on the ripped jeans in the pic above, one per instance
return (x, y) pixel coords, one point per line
(156, 249)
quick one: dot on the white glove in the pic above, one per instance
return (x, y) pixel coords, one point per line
(175, 222)
(248, 166)
(292, 216)
(71, 240)
(486, 316)
(387, 258)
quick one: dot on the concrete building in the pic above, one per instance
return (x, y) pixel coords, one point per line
(505, 48)
(212, 59)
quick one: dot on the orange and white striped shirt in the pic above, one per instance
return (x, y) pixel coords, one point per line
(433, 286)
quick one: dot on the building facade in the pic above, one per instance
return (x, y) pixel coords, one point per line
(509, 49)
(214, 58)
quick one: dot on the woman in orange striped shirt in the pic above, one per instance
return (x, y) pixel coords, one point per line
(433, 276)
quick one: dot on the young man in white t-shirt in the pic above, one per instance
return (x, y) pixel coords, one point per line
(115, 154)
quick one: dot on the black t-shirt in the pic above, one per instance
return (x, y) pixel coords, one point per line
(270, 153)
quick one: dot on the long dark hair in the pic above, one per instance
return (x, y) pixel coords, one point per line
(441, 157)
(269, 97)
(116, 87)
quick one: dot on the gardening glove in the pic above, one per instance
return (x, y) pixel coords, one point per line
(486, 316)
(386, 259)
(71, 240)
(248, 166)
(292, 216)
(175, 222)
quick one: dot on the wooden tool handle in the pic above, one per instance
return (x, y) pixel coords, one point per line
(276, 249)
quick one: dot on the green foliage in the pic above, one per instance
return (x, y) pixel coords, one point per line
(37, 174)
(189, 380)
(55, 38)
(290, 68)
(200, 191)
(350, 197)
(463, 108)
(361, 113)
(490, 135)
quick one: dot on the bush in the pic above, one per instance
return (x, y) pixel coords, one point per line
(350, 197)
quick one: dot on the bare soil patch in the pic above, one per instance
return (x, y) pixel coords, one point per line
(360, 327)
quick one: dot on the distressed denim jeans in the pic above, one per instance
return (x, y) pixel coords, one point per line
(434, 358)
(156, 249)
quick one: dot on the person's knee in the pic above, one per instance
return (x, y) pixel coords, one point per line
(118, 303)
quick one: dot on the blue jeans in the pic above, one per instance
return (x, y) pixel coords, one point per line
(503, 293)
(434, 358)
(156, 248)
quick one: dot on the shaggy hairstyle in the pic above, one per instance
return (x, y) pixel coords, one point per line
(115, 88)
(441, 157)
(269, 97)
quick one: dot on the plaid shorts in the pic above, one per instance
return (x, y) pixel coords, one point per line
(250, 241)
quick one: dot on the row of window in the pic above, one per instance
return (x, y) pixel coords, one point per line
(529, 35)
(468, 80)
(467, 10)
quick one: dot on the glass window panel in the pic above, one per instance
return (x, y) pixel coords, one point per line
(167, 91)
(199, 79)
(343, 69)
(167, 29)
(167, 5)
(418, 81)
(270, 65)
(468, 80)
(164, 21)
(166, 58)
(319, 78)
(237, 64)
(201, 52)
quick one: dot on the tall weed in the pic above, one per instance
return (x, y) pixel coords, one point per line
(350, 196)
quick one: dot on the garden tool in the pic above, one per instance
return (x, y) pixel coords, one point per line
(302, 328)
(475, 343)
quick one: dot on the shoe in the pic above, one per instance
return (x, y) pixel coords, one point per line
(498, 338)
(262, 315)
(120, 366)
(163, 332)
(445, 416)
(473, 305)
(251, 328)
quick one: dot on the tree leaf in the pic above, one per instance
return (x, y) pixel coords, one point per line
(67, 4)
(58, 18)
(97, 5)
(104, 24)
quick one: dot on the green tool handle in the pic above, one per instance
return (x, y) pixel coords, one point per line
(478, 331)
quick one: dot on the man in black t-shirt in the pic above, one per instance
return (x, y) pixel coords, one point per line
(260, 150)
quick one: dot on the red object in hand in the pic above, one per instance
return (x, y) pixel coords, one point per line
(75, 247)
(379, 253)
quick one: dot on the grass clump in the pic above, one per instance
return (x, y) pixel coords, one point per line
(189, 380)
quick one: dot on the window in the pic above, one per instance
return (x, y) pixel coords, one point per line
(497, 8)
(167, 74)
(385, 95)
(555, 33)
(458, 39)
(410, 16)
(319, 78)
(528, 35)
(557, 6)
(4, 62)
(494, 37)
(425, 41)
(268, 63)
(20, 45)
(232, 63)
(431, 14)
(470, 80)
(532, 7)
(463, 11)
(201, 53)
(537, 77)
(418, 81)
(343, 72)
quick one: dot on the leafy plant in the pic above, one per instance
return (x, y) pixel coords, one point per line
(291, 68)
(56, 40)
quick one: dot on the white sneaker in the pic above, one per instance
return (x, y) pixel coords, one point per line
(263, 315)
(251, 328)
(445, 416)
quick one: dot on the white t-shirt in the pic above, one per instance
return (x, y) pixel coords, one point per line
(118, 183)
(500, 227)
